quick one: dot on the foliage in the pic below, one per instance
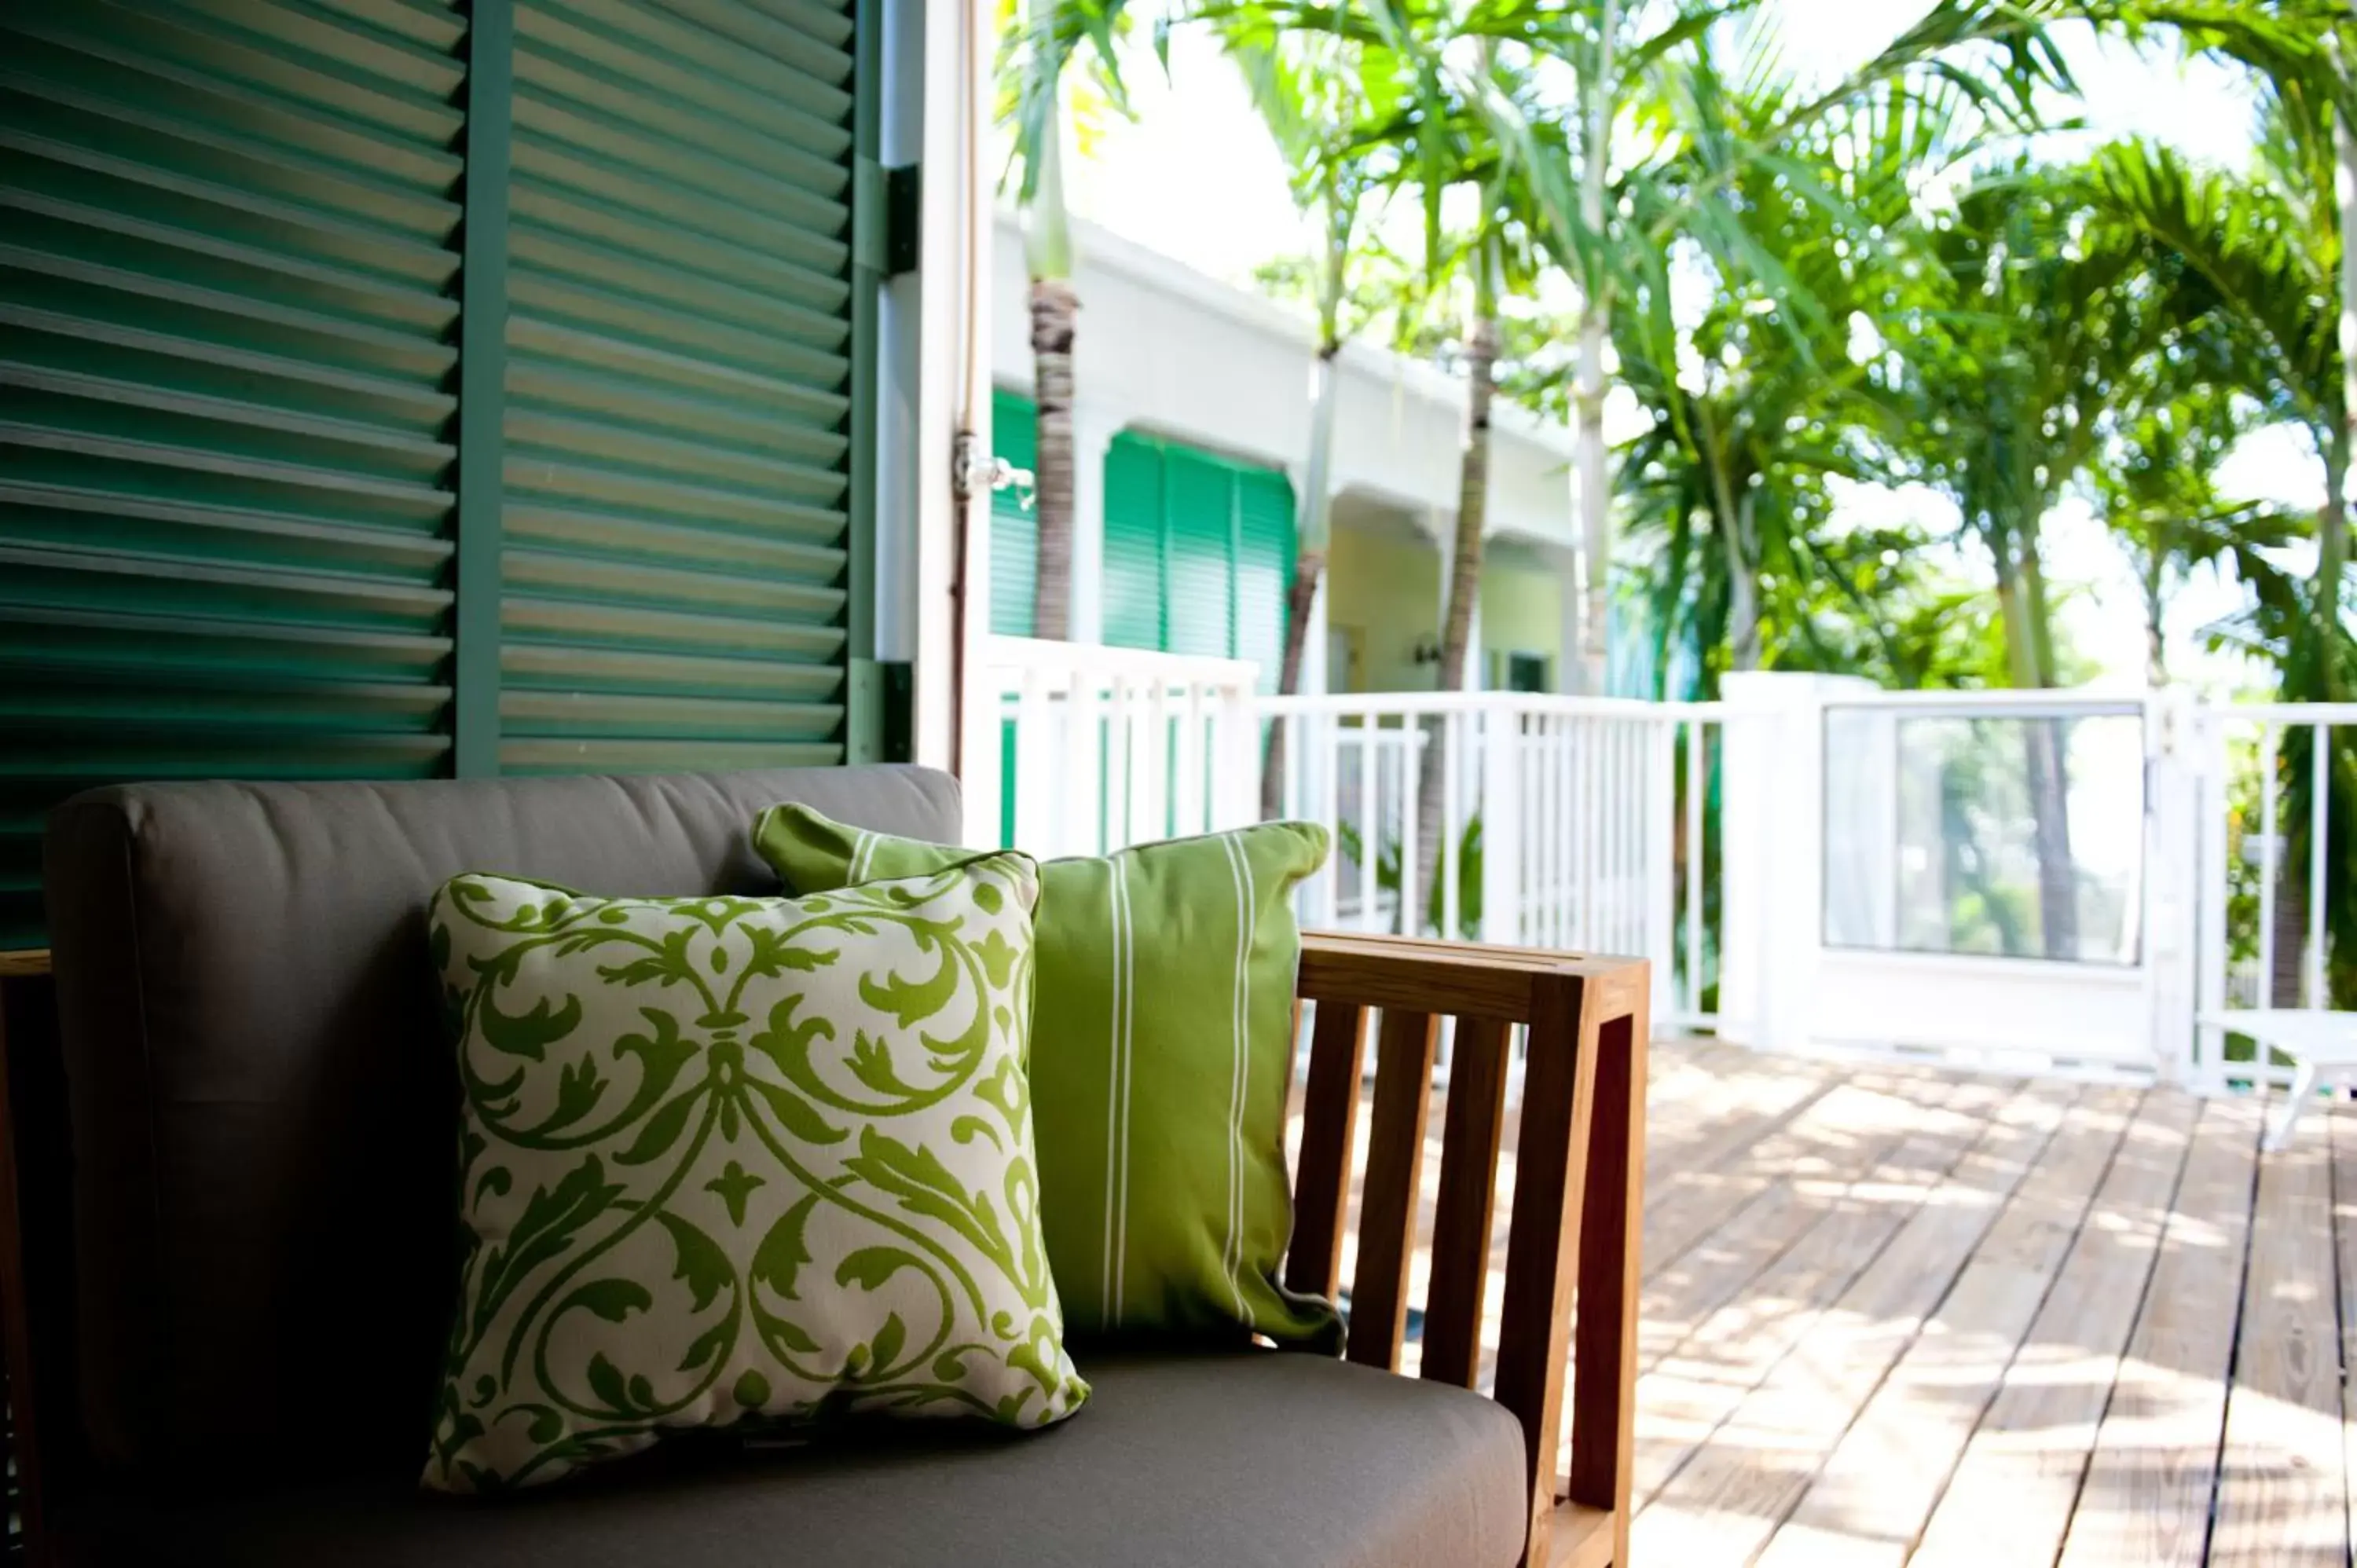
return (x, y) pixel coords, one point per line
(1388, 867)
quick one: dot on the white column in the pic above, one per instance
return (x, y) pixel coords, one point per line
(1315, 677)
(1771, 873)
(1566, 659)
(2176, 838)
(1093, 427)
(933, 106)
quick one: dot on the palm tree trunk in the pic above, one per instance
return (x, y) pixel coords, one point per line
(1048, 246)
(1464, 587)
(1052, 309)
(1591, 460)
(1309, 546)
(1736, 526)
(2332, 538)
(2037, 612)
(2021, 599)
(1742, 588)
(1592, 465)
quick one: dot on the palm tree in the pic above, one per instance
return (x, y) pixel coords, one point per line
(1773, 393)
(2303, 52)
(1031, 100)
(2263, 258)
(1308, 89)
(2155, 481)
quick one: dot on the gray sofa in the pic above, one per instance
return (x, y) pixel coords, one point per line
(238, 1262)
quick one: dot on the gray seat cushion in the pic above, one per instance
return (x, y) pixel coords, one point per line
(264, 1103)
(1235, 1458)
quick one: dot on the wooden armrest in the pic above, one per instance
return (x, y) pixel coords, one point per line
(24, 963)
(1578, 1191)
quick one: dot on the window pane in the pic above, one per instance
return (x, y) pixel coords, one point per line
(2017, 836)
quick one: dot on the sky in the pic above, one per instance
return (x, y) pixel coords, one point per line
(1194, 176)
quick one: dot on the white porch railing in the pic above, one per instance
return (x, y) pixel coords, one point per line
(2264, 776)
(1104, 747)
(1561, 823)
(1558, 822)
(2056, 881)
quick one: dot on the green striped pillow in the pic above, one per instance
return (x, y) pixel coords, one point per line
(1161, 1054)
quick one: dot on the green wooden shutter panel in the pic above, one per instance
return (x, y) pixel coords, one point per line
(1134, 528)
(1265, 545)
(228, 242)
(231, 286)
(1198, 552)
(677, 477)
(1197, 583)
(1013, 528)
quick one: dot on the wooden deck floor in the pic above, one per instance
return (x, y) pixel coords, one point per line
(1896, 1316)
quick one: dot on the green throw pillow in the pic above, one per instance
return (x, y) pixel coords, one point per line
(731, 1160)
(1161, 1055)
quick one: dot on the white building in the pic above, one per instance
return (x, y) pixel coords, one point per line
(1192, 422)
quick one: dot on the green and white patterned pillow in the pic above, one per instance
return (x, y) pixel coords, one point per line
(741, 1160)
(1161, 1055)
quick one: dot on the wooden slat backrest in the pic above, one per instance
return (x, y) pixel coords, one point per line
(1404, 1059)
(1329, 1129)
(1468, 1197)
(1575, 1218)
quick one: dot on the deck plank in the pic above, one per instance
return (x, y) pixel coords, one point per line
(2281, 1498)
(2011, 1497)
(2146, 1499)
(1724, 1504)
(1691, 1207)
(1686, 1395)
(1844, 1139)
(1895, 1314)
(1870, 1502)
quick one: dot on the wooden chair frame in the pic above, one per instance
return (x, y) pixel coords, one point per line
(1579, 1201)
(1572, 1234)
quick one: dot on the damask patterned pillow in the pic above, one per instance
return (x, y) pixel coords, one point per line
(734, 1160)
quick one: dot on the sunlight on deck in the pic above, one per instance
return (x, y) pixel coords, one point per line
(1896, 1316)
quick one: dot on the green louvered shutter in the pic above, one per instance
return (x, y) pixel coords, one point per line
(1134, 528)
(1198, 545)
(679, 426)
(228, 243)
(249, 351)
(1014, 527)
(1263, 560)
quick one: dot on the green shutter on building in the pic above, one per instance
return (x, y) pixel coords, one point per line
(1014, 527)
(1264, 557)
(1198, 552)
(1135, 523)
(232, 267)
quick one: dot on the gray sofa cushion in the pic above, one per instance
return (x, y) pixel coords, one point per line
(1238, 1459)
(263, 1102)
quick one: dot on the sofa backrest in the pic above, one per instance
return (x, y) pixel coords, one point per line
(263, 1105)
